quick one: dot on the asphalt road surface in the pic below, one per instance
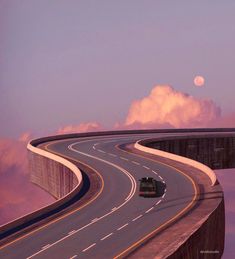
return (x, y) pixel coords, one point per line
(118, 218)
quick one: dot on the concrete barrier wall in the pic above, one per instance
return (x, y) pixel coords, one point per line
(215, 150)
(177, 158)
(56, 175)
(204, 238)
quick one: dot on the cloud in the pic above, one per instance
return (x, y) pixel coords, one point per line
(167, 107)
(25, 137)
(224, 121)
(18, 195)
(82, 127)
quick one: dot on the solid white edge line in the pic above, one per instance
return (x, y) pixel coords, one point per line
(46, 246)
(158, 202)
(123, 226)
(72, 232)
(84, 250)
(103, 238)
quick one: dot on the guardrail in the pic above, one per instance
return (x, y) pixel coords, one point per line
(177, 158)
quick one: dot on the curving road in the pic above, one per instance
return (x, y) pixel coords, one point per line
(118, 219)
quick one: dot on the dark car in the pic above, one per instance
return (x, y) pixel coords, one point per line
(148, 187)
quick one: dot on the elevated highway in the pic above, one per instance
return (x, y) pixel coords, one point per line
(114, 221)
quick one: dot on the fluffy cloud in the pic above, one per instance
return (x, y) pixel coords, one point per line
(166, 107)
(82, 127)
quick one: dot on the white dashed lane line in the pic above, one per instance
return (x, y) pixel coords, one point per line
(163, 195)
(147, 211)
(112, 154)
(123, 226)
(136, 163)
(146, 167)
(137, 218)
(103, 238)
(154, 172)
(84, 250)
(101, 151)
(94, 220)
(123, 158)
(73, 257)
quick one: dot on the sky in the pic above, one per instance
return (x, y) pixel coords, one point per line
(70, 62)
(75, 66)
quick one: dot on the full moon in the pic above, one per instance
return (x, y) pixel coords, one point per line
(199, 80)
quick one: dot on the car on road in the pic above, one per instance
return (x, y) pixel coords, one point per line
(148, 187)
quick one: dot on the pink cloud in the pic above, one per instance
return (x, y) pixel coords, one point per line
(82, 127)
(165, 106)
(224, 121)
(25, 137)
(18, 195)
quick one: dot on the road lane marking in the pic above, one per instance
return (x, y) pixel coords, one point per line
(72, 232)
(163, 195)
(46, 246)
(146, 167)
(123, 158)
(112, 154)
(132, 179)
(136, 244)
(73, 257)
(155, 172)
(101, 151)
(136, 163)
(160, 177)
(94, 220)
(147, 211)
(137, 218)
(66, 214)
(94, 147)
(89, 247)
(103, 238)
(113, 209)
(123, 226)
(158, 202)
